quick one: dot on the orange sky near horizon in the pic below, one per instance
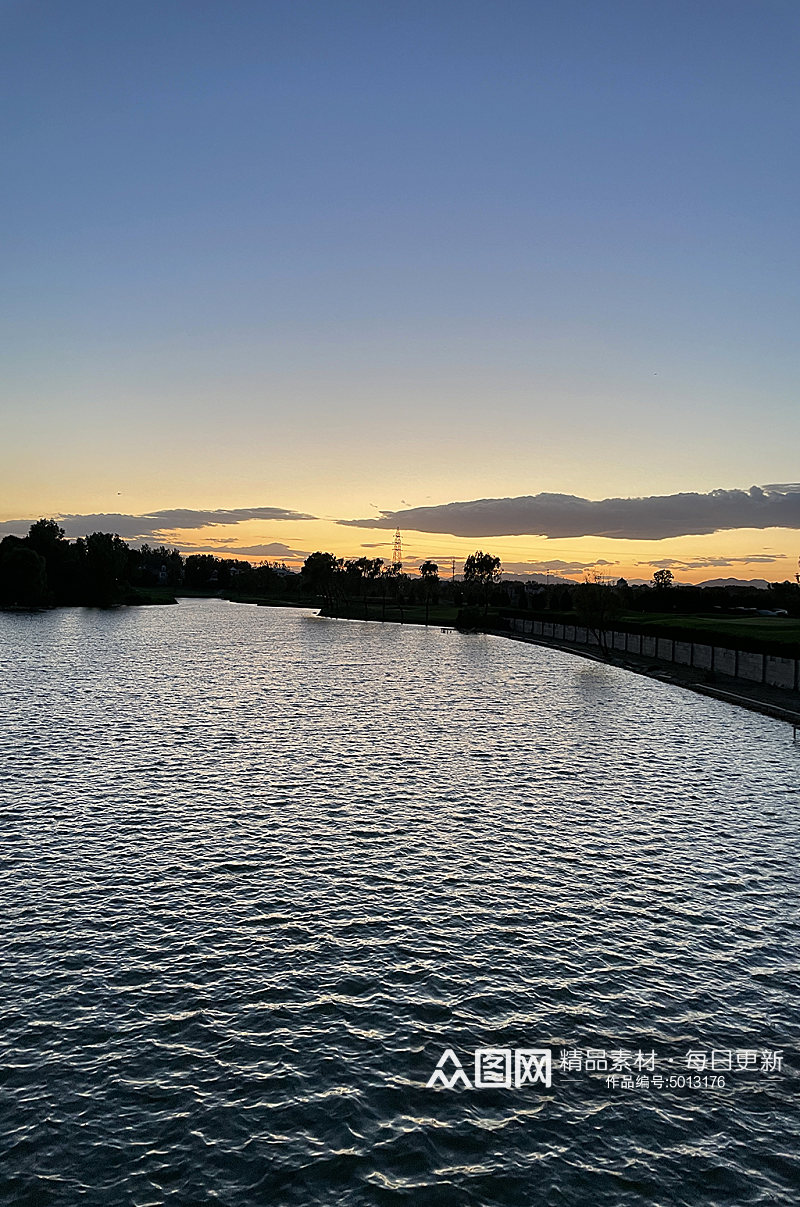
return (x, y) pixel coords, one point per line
(344, 260)
(746, 553)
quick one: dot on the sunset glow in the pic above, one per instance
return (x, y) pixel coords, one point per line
(389, 258)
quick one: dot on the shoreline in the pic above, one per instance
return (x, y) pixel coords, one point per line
(774, 702)
(769, 701)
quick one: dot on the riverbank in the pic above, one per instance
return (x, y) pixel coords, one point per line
(763, 698)
(769, 701)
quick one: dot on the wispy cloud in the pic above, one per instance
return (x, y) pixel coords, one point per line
(553, 567)
(705, 563)
(275, 550)
(651, 518)
(156, 525)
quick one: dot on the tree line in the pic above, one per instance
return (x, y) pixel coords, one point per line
(44, 569)
(339, 581)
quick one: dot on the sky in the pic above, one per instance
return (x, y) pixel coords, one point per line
(274, 266)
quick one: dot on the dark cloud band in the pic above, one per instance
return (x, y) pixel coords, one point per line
(645, 519)
(156, 525)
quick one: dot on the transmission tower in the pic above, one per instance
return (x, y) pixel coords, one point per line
(397, 551)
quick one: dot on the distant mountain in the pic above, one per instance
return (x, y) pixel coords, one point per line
(759, 584)
(544, 580)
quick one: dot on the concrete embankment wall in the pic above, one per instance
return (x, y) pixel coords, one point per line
(722, 660)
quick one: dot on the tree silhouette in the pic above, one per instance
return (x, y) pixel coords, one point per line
(360, 574)
(199, 570)
(106, 566)
(597, 605)
(44, 537)
(23, 575)
(154, 567)
(390, 581)
(481, 572)
(373, 571)
(321, 573)
(430, 581)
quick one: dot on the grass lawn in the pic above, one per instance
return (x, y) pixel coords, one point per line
(766, 630)
(761, 633)
(439, 614)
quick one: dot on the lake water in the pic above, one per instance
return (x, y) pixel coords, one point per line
(260, 870)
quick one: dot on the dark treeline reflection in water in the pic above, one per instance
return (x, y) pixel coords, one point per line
(259, 870)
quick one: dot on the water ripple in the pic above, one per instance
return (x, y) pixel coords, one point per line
(259, 870)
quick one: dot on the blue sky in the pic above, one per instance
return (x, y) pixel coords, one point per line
(328, 255)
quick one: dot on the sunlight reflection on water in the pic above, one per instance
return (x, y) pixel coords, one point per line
(260, 869)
